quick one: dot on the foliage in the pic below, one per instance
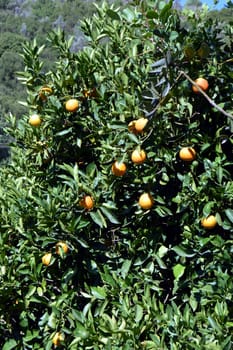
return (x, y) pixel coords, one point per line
(25, 20)
(132, 278)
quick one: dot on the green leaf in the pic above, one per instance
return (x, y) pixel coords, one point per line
(125, 267)
(52, 320)
(214, 324)
(138, 313)
(30, 335)
(98, 218)
(162, 251)
(111, 217)
(181, 251)
(113, 14)
(165, 12)
(10, 344)
(229, 214)
(151, 14)
(128, 14)
(98, 292)
(160, 262)
(80, 331)
(178, 271)
(64, 132)
(91, 170)
(208, 208)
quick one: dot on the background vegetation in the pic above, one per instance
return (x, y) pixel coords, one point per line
(25, 20)
(128, 277)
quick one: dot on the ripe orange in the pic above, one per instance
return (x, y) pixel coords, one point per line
(131, 126)
(146, 201)
(87, 202)
(63, 246)
(44, 92)
(119, 168)
(209, 222)
(202, 83)
(187, 154)
(46, 259)
(138, 156)
(58, 338)
(35, 120)
(138, 125)
(72, 105)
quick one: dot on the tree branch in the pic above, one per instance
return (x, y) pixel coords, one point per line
(206, 96)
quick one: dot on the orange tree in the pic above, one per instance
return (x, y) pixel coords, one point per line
(101, 252)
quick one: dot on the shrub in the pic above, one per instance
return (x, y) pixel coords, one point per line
(129, 277)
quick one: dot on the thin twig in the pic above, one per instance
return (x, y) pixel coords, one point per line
(206, 96)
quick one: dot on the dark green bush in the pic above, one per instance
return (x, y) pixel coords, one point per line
(132, 278)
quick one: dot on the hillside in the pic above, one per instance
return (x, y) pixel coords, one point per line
(25, 20)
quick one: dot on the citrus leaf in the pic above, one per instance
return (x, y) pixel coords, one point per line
(229, 214)
(139, 313)
(111, 217)
(10, 344)
(98, 218)
(178, 271)
(125, 268)
(181, 251)
(98, 292)
(113, 14)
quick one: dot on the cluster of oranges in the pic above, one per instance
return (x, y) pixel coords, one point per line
(60, 248)
(118, 168)
(71, 105)
(138, 156)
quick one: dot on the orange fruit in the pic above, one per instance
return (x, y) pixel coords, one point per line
(57, 339)
(119, 168)
(146, 201)
(187, 154)
(202, 83)
(35, 120)
(87, 202)
(63, 246)
(138, 156)
(72, 105)
(44, 92)
(46, 259)
(138, 125)
(90, 93)
(131, 126)
(209, 222)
